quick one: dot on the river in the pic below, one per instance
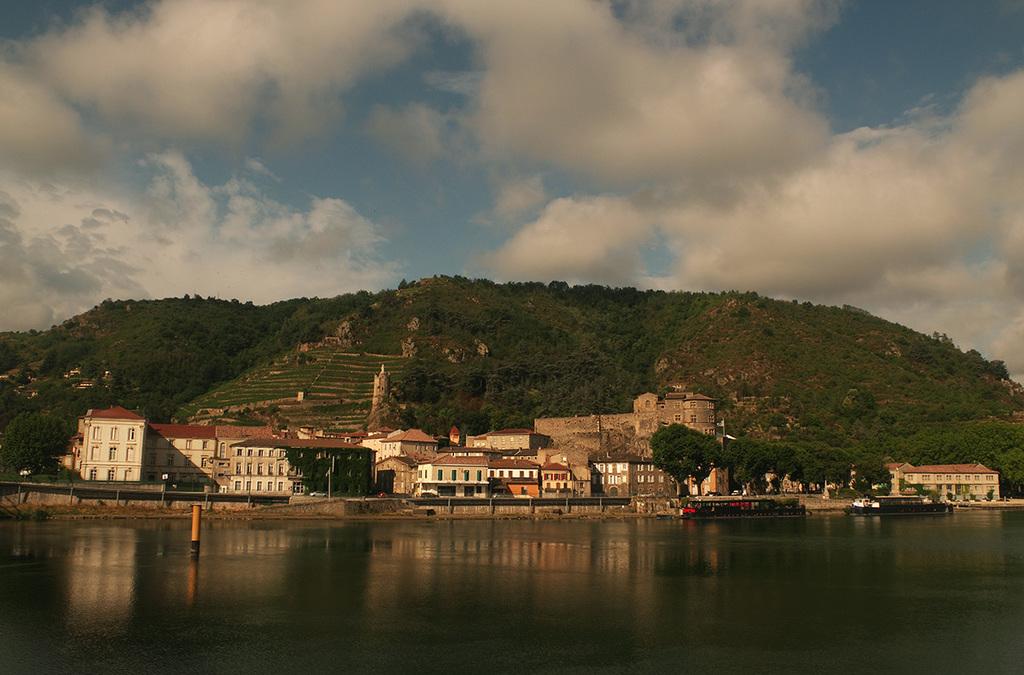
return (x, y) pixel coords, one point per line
(829, 593)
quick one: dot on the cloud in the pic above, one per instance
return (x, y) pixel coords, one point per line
(63, 249)
(517, 196)
(577, 240)
(38, 131)
(921, 223)
(193, 70)
(586, 92)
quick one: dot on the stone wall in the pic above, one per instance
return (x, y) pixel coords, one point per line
(600, 435)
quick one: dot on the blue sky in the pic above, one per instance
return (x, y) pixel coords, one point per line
(869, 153)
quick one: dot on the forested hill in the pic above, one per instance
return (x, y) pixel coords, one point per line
(481, 356)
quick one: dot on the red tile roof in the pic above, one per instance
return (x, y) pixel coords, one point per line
(949, 468)
(184, 430)
(513, 464)
(471, 460)
(245, 432)
(114, 412)
(413, 436)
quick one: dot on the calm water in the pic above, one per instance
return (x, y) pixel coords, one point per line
(825, 594)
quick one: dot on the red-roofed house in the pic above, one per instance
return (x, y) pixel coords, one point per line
(517, 477)
(407, 443)
(182, 452)
(111, 445)
(555, 480)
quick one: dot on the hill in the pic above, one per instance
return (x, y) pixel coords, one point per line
(480, 355)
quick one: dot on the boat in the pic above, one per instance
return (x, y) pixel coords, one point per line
(741, 507)
(894, 506)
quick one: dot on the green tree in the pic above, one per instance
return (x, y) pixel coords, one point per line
(34, 441)
(750, 460)
(684, 453)
(871, 471)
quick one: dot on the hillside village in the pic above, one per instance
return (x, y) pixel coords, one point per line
(596, 455)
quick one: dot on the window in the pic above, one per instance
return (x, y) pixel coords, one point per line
(238, 485)
(152, 459)
(238, 452)
(96, 433)
(110, 474)
(249, 452)
(131, 434)
(92, 474)
(259, 485)
(112, 454)
(113, 433)
(440, 474)
(465, 474)
(238, 468)
(204, 444)
(453, 474)
(248, 468)
(170, 460)
(127, 474)
(93, 451)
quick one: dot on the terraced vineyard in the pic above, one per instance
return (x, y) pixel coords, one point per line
(336, 389)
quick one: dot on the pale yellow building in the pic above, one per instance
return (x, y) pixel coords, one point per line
(111, 445)
(954, 481)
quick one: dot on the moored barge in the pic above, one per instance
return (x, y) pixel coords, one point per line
(897, 506)
(741, 507)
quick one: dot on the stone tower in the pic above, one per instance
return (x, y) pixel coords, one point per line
(381, 398)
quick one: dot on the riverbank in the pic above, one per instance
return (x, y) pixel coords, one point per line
(307, 508)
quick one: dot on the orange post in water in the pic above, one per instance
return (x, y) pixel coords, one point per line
(197, 511)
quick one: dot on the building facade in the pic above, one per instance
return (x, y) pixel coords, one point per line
(450, 476)
(514, 477)
(957, 482)
(110, 445)
(509, 440)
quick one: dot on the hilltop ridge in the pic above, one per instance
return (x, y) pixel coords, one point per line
(481, 355)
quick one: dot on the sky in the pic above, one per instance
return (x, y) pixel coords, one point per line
(868, 152)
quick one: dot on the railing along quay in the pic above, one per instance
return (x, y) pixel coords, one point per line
(76, 493)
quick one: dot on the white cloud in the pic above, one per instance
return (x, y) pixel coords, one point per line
(577, 240)
(584, 92)
(517, 196)
(39, 132)
(66, 248)
(194, 69)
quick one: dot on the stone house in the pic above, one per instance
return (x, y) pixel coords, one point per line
(396, 475)
(509, 440)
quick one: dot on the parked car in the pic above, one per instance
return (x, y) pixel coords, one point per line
(317, 494)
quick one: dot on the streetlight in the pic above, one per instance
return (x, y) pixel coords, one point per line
(329, 476)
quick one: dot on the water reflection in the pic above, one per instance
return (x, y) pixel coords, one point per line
(591, 594)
